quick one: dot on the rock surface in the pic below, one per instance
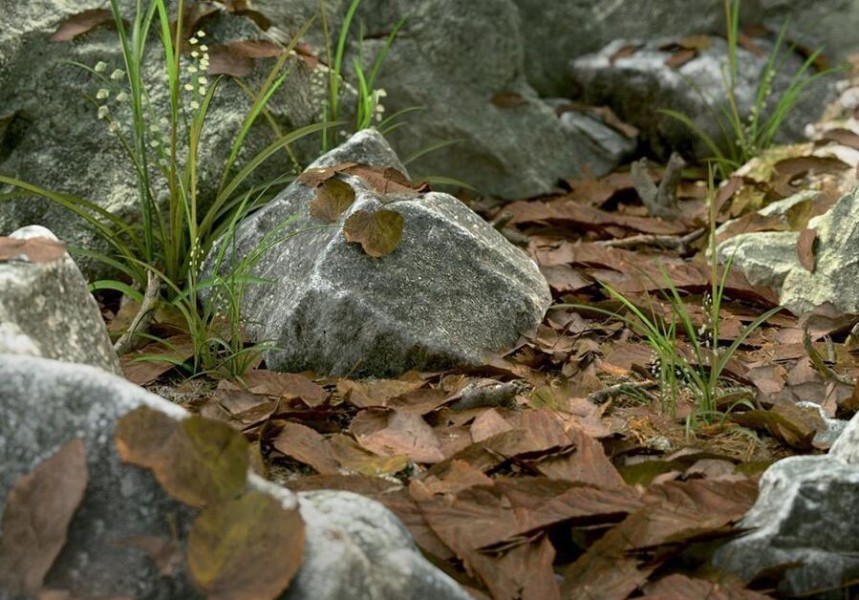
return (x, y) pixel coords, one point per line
(452, 289)
(771, 259)
(805, 514)
(50, 134)
(354, 547)
(637, 86)
(46, 310)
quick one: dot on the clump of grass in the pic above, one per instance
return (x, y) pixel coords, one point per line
(700, 369)
(369, 109)
(746, 136)
(159, 257)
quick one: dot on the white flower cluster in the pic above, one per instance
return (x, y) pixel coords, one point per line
(197, 82)
(110, 86)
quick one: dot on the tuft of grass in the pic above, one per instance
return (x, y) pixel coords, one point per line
(701, 368)
(159, 256)
(369, 110)
(746, 136)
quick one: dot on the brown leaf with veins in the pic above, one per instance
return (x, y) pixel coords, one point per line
(307, 446)
(35, 522)
(196, 460)
(332, 199)
(81, 23)
(246, 548)
(379, 233)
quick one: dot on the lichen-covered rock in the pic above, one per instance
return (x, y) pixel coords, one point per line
(452, 289)
(46, 310)
(354, 547)
(805, 517)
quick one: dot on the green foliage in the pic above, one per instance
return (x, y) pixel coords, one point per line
(746, 136)
(162, 251)
(702, 367)
(368, 108)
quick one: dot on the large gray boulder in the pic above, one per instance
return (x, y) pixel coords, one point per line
(461, 64)
(354, 548)
(50, 134)
(805, 514)
(637, 86)
(46, 310)
(452, 289)
(771, 259)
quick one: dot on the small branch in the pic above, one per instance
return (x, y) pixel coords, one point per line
(613, 391)
(666, 242)
(128, 341)
(660, 201)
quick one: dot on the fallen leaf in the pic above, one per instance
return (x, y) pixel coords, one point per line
(247, 548)
(805, 248)
(523, 571)
(81, 23)
(196, 460)
(508, 100)
(33, 250)
(625, 51)
(237, 59)
(680, 58)
(307, 446)
(406, 434)
(286, 386)
(681, 587)
(379, 233)
(35, 522)
(333, 197)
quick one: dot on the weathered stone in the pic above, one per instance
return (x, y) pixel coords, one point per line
(50, 135)
(503, 139)
(46, 310)
(452, 289)
(354, 546)
(639, 85)
(770, 258)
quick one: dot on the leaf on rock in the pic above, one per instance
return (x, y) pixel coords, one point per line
(33, 250)
(805, 248)
(508, 100)
(35, 522)
(237, 58)
(247, 548)
(196, 460)
(333, 197)
(379, 233)
(81, 23)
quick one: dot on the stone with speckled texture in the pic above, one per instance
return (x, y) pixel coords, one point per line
(452, 289)
(46, 310)
(355, 548)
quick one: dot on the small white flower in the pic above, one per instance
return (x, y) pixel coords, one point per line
(117, 74)
(204, 64)
(192, 69)
(163, 122)
(379, 108)
(194, 105)
(381, 93)
(195, 54)
(193, 41)
(114, 127)
(103, 111)
(189, 87)
(202, 91)
(154, 143)
(154, 128)
(202, 80)
(102, 94)
(204, 48)
(201, 33)
(121, 97)
(100, 67)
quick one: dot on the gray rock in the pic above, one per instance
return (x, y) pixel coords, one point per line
(637, 86)
(54, 139)
(452, 289)
(451, 59)
(354, 546)
(46, 310)
(764, 257)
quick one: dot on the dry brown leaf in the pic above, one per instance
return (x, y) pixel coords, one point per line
(33, 250)
(508, 100)
(35, 522)
(523, 571)
(81, 23)
(405, 434)
(805, 248)
(680, 58)
(306, 445)
(379, 232)
(333, 197)
(246, 548)
(196, 460)
(681, 587)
